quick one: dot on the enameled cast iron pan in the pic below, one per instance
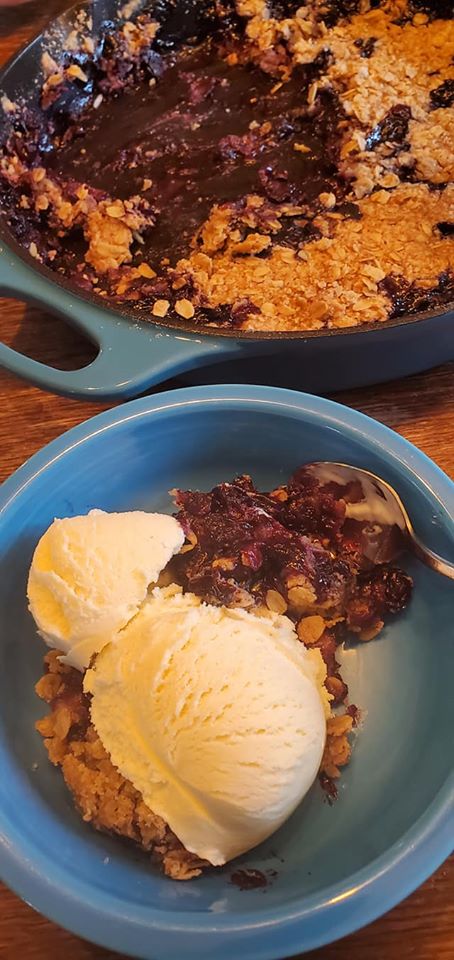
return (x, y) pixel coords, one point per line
(135, 355)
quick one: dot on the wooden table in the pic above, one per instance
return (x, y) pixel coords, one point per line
(421, 408)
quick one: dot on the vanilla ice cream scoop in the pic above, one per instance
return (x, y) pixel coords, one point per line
(215, 715)
(90, 575)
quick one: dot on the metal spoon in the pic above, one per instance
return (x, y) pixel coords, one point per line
(380, 505)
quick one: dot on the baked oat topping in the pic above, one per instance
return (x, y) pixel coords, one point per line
(110, 230)
(338, 276)
(105, 799)
(286, 168)
(431, 147)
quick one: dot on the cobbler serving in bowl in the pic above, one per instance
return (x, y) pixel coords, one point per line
(330, 867)
(259, 577)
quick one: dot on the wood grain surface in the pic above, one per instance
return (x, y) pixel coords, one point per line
(420, 408)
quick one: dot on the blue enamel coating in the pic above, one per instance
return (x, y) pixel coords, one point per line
(132, 356)
(337, 867)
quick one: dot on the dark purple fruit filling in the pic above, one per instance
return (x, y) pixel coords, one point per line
(294, 550)
(443, 96)
(245, 543)
(392, 129)
(408, 298)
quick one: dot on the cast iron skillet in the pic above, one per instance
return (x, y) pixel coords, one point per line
(134, 355)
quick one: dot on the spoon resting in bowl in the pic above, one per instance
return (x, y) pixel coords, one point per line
(373, 501)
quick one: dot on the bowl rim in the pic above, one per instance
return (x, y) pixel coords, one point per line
(277, 931)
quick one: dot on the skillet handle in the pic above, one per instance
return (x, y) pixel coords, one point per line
(132, 356)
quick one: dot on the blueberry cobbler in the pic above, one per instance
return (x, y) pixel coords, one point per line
(255, 165)
(194, 688)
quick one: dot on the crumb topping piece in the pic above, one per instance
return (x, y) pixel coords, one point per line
(109, 230)
(334, 281)
(105, 799)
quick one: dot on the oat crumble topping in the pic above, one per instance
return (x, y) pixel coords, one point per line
(321, 282)
(297, 179)
(105, 799)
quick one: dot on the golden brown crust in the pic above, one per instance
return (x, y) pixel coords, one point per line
(109, 230)
(333, 281)
(103, 796)
(338, 747)
(432, 146)
(398, 71)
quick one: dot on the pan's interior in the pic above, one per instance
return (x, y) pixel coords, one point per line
(134, 117)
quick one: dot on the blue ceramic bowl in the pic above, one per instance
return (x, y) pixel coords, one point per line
(337, 867)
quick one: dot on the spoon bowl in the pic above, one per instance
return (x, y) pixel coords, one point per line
(375, 502)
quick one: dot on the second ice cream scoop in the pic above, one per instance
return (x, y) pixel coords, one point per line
(216, 716)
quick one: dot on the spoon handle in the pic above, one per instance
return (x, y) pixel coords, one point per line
(431, 559)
